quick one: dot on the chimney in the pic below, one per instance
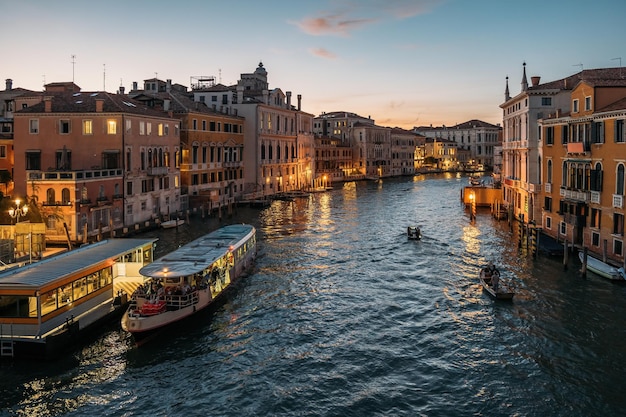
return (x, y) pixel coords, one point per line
(289, 99)
(9, 84)
(266, 97)
(535, 80)
(299, 101)
(239, 93)
(47, 101)
(122, 90)
(168, 86)
(166, 104)
(99, 105)
(134, 85)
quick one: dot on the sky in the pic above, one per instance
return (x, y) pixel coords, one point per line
(404, 63)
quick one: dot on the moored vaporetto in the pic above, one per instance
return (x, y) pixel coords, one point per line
(190, 278)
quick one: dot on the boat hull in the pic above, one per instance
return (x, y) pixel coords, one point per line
(602, 269)
(503, 293)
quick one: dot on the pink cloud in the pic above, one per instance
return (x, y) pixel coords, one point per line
(322, 53)
(335, 24)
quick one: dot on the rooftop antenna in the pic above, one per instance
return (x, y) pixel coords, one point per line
(73, 64)
(579, 65)
(44, 80)
(219, 71)
(104, 77)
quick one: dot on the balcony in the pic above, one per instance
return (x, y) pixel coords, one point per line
(576, 195)
(594, 197)
(157, 171)
(618, 201)
(83, 175)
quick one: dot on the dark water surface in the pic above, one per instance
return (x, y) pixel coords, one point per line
(343, 316)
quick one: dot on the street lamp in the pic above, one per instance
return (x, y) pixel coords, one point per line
(18, 211)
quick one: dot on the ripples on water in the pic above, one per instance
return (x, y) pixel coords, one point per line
(343, 316)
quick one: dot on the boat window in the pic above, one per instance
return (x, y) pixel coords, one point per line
(18, 306)
(49, 301)
(172, 280)
(80, 288)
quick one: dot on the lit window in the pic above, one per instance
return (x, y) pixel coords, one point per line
(160, 129)
(87, 127)
(111, 127)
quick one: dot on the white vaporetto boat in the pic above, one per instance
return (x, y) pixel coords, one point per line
(190, 278)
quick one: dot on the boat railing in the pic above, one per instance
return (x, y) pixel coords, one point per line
(176, 302)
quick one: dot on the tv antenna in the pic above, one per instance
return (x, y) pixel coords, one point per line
(73, 64)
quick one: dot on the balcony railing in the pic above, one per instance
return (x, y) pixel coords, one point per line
(157, 171)
(578, 195)
(594, 197)
(618, 201)
(32, 175)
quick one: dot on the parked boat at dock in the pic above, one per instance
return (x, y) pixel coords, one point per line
(190, 278)
(169, 224)
(46, 305)
(601, 268)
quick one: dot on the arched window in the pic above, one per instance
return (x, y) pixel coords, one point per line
(65, 196)
(619, 180)
(564, 175)
(50, 196)
(262, 151)
(270, 152)
(278, 152)
(549, 171)
(286, 152)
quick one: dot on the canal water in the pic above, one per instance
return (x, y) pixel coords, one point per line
(343, 316)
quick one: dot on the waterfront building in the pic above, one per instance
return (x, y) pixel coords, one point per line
(278, 136)
(520, 142)
(211, 142)
(403, 146)
(94, 161)
(583, 166)
(333, 160)
(371, 144)
(475, 140)
(440, 155)
(10, 100)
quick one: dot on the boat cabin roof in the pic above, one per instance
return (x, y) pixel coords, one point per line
(48, 270)
(198, 255)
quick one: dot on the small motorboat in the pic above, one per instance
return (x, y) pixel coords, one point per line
(601, 268)
(490, 280)
(475, 181)
(172, 223)
(414, 233)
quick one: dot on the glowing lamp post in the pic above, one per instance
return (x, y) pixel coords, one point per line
(18, 211)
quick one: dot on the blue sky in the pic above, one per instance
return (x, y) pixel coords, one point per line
(403, 62)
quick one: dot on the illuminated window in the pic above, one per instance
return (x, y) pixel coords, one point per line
(111, 127)
(87, 127)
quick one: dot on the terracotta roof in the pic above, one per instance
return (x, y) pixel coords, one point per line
(590, 75)
(472, 124)
(85, 102)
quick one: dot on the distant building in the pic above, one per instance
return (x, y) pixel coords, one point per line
(403, 146)
(278, 136)
(475, 136)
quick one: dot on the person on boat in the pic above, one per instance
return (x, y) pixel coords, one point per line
(495, 279)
